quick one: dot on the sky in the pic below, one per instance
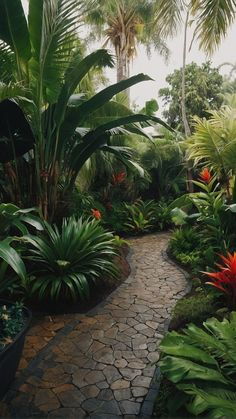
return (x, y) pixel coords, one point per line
(157, 69)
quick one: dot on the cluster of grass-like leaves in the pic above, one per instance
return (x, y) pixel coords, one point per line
(67, 259)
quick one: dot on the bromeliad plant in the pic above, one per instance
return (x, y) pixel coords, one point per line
(210, 217)
(43, 65)
(67, 260)
(141, 215)
(201, 362)
(225, 280)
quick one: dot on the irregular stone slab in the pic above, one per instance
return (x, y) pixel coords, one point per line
(90, 391)
(124, 394)
(129, 373)
(141, 382)
(120, 363)
(94, 377)
(71, 398)
(120, 384)
(130, 408)
(111, 373)
(105, 356)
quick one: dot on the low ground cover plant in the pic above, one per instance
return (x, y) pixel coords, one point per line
(11, 323)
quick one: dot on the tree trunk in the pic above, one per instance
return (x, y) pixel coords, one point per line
(187, 130)
(123, 65)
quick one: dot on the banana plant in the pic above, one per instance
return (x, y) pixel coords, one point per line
(43, 53)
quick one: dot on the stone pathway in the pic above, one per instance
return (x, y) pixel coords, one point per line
(102, 364)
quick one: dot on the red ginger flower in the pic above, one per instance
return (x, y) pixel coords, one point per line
(118, 178)
(225, 279)
(205, 175)
(96, 214)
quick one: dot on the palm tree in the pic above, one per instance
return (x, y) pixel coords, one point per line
(212, 19)
(123, 24)
(213, 143)
(42, 67)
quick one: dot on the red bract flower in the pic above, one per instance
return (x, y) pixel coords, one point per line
(225, 279)
(205, 175)
(96, 214)
(118, 178)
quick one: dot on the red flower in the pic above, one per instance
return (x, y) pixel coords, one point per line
(118, 178)
(96, 214)
(225, 279)
(205, 175)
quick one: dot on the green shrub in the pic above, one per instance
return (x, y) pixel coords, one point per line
(184, 240)
(11, 322)
(187, 247)
(162, 216)
(201, 362)
(66, 260)
(141, 216)
(195, 308)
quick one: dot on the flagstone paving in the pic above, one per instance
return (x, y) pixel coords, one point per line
(103, 364)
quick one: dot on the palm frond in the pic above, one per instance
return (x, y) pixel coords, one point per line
(12, 91)
(52, 27)
(168, 16)
(213, 18)
(7, 63)
(14, 32)
(213, 142)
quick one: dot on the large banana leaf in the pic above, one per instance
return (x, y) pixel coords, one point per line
(76, 71)
(98, 137)
(77, 116)
(16, 137)
(52, 32)
(13, 30)
(12, 258)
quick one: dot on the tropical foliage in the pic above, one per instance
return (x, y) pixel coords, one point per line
(201, 364)
(203, 89)
(13, 224)
(211, 18)
(66, 261)
(11, 323)
(123, 25)
(225, 279)
(46, 60)
(213, 143)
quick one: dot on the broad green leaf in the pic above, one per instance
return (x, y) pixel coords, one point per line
(10, 255)
(14, 31)
(178, 369)
(76, 71)
(76, 116)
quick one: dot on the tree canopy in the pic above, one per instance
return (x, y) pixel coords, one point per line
(204, 91)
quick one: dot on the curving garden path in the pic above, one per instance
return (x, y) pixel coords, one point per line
(102, 364)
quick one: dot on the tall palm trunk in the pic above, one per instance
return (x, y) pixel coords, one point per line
(187, 130)
(123, 63)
